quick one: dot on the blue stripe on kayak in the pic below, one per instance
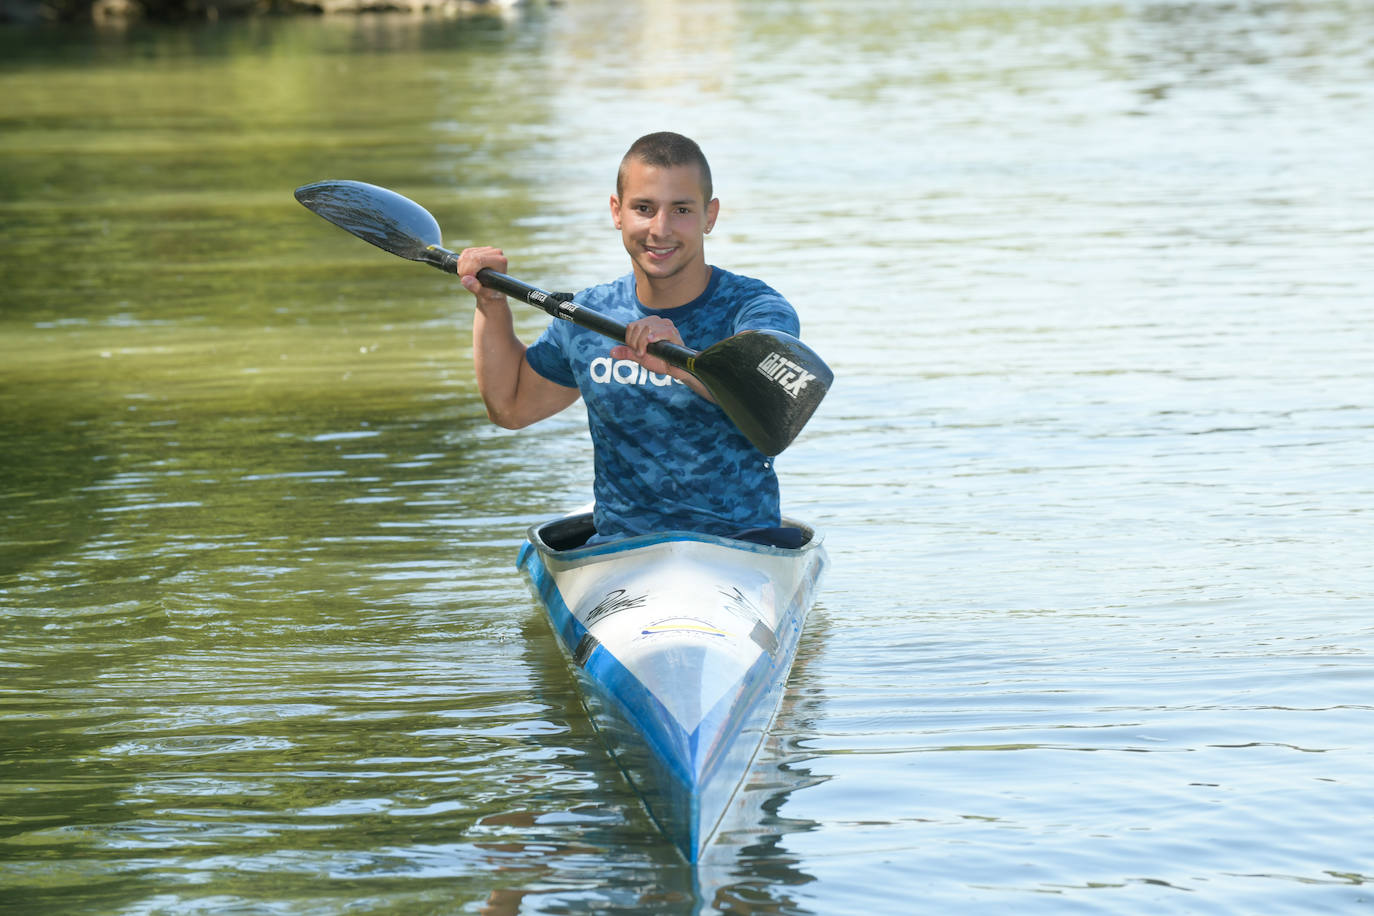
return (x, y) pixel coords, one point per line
(674, 807)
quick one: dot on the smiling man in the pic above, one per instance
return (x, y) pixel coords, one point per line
(666, 457)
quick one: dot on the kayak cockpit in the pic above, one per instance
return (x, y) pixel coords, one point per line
(571, 532)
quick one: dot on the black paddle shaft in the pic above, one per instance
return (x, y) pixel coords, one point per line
(560, 305)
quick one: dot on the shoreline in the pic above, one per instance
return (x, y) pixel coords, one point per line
(39, 12)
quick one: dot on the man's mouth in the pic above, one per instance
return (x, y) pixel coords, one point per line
(659, 253)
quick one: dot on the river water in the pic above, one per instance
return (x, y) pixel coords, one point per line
(1095, 279)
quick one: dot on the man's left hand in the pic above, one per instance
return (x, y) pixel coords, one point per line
(639, 334)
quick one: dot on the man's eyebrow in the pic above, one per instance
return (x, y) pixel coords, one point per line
(686, 201)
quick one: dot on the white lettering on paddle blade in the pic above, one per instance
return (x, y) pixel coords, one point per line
(789, 376)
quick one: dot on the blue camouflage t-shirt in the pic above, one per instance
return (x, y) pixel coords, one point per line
(666, 458)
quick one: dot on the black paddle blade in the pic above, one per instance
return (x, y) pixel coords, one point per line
(386, 219)
(769, 383)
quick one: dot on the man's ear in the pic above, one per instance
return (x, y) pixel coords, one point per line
(712, 211)
(615, 211)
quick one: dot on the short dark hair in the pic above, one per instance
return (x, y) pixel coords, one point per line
(665, 150)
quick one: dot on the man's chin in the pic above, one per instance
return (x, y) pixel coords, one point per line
(660, 270)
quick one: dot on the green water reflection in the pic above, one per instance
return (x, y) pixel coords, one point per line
(251, 504)
(170, 306)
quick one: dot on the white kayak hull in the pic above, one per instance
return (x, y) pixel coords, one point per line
(682, 643)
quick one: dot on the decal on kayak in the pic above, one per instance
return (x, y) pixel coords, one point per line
(614, 602)
(585, 646)
(687, 626)
(764, 638)
(737, 603)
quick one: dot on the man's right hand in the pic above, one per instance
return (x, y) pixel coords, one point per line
(472, 260)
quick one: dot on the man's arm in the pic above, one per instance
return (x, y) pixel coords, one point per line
(514, 393)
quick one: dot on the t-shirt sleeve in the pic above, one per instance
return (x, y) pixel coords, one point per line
(768, 311)
(547, 357)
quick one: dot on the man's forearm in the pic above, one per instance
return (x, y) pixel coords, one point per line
(496, 354)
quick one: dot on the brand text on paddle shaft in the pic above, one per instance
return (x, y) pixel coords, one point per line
(789, 375)
(566, 308)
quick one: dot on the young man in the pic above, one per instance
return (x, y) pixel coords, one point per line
(666, 457)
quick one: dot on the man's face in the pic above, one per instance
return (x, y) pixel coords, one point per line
(663, 218)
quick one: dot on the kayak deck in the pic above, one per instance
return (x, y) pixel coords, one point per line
(682, 643)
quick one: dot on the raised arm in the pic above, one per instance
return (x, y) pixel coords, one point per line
(515, 395)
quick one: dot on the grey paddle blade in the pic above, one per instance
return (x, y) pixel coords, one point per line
(386, 219)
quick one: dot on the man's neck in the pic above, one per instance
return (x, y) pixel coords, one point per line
(674, 291)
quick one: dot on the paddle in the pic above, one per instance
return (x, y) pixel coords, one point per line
(767, 382)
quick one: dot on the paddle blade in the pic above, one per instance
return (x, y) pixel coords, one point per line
(767, 382)
(386, 219)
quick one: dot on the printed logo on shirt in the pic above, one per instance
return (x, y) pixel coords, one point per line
(605, 370)
(789, 375)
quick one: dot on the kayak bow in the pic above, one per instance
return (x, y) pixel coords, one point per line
(681, 643)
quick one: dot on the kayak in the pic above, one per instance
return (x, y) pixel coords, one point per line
(681, 643)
